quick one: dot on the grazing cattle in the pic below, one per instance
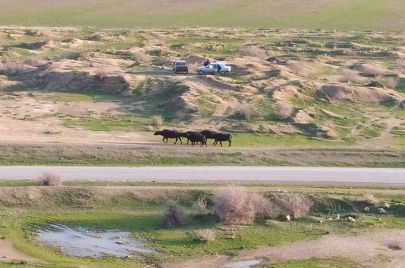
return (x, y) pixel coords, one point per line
(197, 137)
(209, 134)
(220, 137)
(169, 134)
(185, 135)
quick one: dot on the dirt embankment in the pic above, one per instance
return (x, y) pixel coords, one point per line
(384, 249)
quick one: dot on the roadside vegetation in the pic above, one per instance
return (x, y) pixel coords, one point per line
(185, 222)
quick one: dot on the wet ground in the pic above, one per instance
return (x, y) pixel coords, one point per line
(82, 242)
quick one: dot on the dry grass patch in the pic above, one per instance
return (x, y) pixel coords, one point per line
(255, 52)
(203, 235)
(349, 76)
(156, 120)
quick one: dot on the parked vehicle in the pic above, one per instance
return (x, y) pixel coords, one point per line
(180, 66)
(214, 68)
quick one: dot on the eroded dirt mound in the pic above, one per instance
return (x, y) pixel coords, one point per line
(358, 94)
(80, 81)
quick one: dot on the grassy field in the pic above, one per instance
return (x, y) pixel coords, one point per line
(309, 14)
(183, 155)
(137, 208)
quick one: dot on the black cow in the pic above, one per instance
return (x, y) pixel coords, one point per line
(209, 134)
(185, 135)
(197, 137)
(169, 134)
(220, 137)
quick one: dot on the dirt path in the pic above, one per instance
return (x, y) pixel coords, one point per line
(9, 253)
(382, 249)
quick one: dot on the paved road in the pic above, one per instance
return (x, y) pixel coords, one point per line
(206, 174)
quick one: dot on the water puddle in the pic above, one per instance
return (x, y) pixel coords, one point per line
(82, 242)
(243, 264)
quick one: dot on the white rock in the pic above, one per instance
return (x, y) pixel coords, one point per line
(367, 209)
(382, 210)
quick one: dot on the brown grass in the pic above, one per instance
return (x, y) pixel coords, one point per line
(50, 179)
(203, 235)
(349, 76)
(372, 200)
(201, 206)
(244, 111)
(253, 51)
(174, 215)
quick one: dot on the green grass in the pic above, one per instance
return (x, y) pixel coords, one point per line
(314, 263)
(110, 123)
(345, 15)
(140, 214)
(287, 140)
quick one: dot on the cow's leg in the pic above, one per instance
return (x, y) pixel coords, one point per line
(175, 140)
(220, 142)
(230, 143)
(164, 140)
(181, 142)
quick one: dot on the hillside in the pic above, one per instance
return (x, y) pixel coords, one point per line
(286, 87)
(303, 14)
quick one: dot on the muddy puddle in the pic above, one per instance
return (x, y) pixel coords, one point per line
(243, 264)
(83, 242)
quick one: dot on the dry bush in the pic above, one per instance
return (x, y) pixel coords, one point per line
(156, 120)
(349, 76)
(203, 235)
(265, 208)
(284, 110)
(371, 200)
(201, 205)
(50, 179)
(174, 215)
(244, 111)
(140, 57)
(295, 205)
(234, 205)
(253, 51)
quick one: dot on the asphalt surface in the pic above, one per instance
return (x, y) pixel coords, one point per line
(212, 174)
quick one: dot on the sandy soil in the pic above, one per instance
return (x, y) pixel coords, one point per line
(37, 118)
(382, 249)
(8, 252)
